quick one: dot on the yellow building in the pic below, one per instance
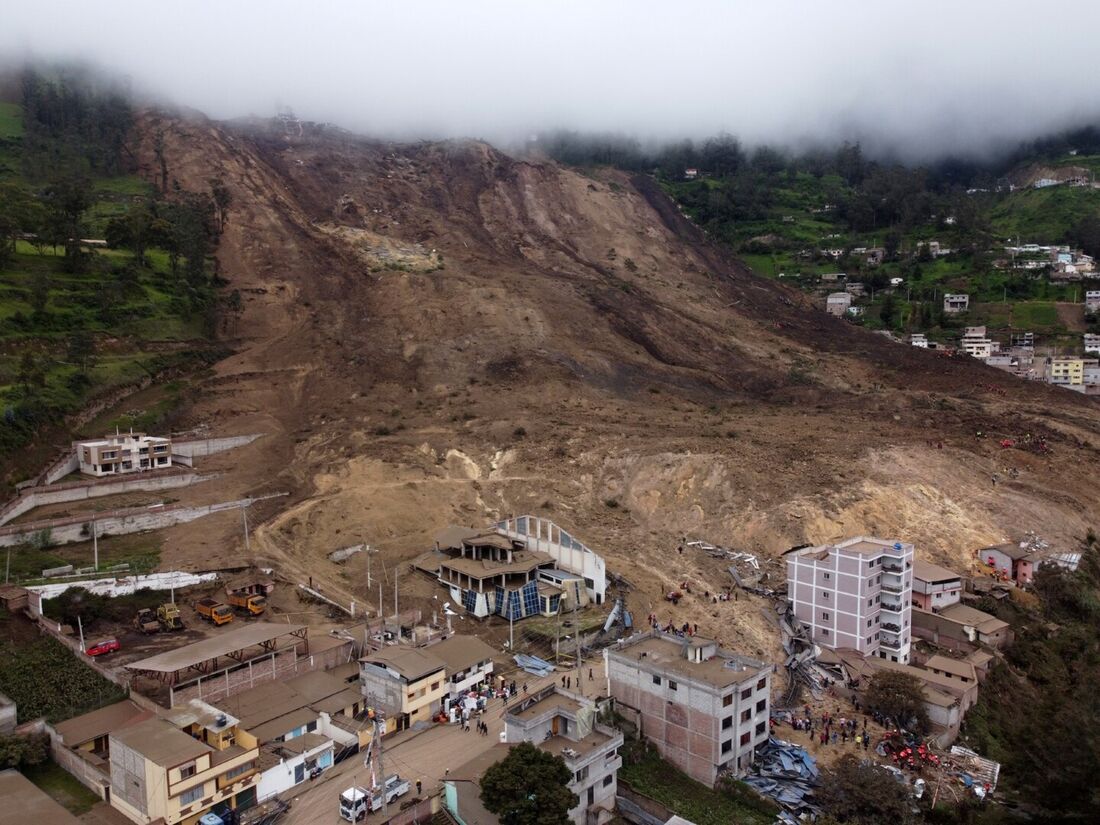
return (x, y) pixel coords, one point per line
(1066, 371)
(175, 769)
(406, 684)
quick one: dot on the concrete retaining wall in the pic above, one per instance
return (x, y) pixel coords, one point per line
(61, 468)
(84, 490)
(208, 446)
(8, 714)
(115, 522)
(95, 780)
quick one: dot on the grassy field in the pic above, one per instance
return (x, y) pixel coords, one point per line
(11, 121)
(59, 785)
(70, 689)
(140, 551)
(648, 774)
(1042, 216)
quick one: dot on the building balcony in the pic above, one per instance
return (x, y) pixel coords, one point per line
(891, 644)
(890, 627)
(892, 588)
(890, 566)
(892, 607)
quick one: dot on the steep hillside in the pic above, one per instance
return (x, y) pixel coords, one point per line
(437, 333)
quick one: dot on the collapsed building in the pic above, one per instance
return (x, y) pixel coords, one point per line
(519, 567)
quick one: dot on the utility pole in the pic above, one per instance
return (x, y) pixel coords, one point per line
(395, 592)
(95, 544)
(381, 610)
(577, 632)
(381, 776)
(511, 632)
(80, 627)
(244, 519)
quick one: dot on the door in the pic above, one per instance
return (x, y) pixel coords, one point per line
(554, 726)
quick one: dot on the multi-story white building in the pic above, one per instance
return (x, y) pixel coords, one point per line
(976, 343)
(919, 339)
(855, 594)
(1092, 343)
(705, 709)
(126, 453)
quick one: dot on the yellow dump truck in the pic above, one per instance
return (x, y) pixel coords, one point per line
(214, 611)
(254, 605)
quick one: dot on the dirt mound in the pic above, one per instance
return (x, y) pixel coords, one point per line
(584, 353)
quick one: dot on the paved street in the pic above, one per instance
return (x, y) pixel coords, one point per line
(425, 756)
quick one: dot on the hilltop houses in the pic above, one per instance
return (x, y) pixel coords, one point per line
(954, 304)
(125, 453)
(838, 303)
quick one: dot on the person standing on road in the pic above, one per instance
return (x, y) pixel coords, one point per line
(419, 787)
(589, 674)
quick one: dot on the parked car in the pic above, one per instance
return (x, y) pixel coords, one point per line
(103, 647)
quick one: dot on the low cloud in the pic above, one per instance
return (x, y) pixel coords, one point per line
(914, 79)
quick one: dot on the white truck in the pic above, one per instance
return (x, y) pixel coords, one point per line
(354, 801)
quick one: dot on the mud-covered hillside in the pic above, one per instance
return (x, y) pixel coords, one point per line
(437, 332)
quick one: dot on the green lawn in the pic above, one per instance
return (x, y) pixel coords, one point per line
(11, 121)
(59, 785)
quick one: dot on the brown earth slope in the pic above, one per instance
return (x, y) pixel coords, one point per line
(437, 333)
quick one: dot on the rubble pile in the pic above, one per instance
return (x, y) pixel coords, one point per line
(750, 572)
(786, 773)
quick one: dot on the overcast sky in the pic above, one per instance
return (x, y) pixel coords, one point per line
(921, 75)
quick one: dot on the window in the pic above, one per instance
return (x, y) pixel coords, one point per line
(869, 638)
(759, 728)
(870, 602)
(827, 576)
(582, 774)
(435, 685)
(763, 683)
(727, 700)
(824, 631)
(825, 595)
(187, 771)
(656, 680)
(311, 726)
(671, 685)
(727, 723)
(727, 746)
(763, 703)
(193, 795)
(746, 738)
(607, 780)
(824, 615)
(868, 622)
(233, 773)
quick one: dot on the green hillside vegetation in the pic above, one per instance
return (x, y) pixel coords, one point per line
(1038, 711)
(104, 281)
(782, 213)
